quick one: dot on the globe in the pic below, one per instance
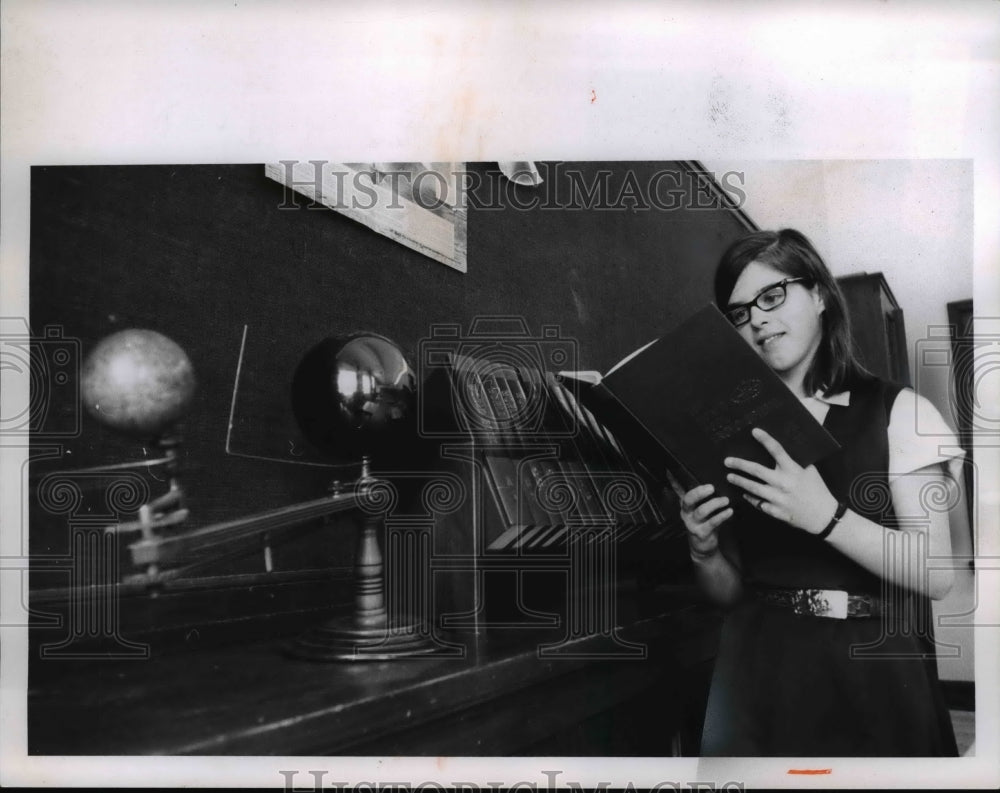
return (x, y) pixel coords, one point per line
(138, 382)
(354, 396)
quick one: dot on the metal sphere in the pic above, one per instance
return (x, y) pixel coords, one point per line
(355, 396)
(138, 382)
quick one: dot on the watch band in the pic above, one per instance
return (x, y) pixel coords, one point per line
(841, 510)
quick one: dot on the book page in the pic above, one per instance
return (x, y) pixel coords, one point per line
(630, 356)
(591, 377)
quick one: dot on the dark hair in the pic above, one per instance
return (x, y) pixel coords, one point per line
(835, 367)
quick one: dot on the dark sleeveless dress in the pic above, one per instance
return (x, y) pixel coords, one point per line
(791, 685)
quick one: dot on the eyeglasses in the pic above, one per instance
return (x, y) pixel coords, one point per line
(767, 299)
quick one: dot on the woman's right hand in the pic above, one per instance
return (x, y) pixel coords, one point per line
(702, 515)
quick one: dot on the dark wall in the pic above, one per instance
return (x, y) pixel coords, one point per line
(199, 252)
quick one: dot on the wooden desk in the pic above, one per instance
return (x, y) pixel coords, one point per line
(501, 699)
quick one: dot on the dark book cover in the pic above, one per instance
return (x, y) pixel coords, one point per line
(691, 398)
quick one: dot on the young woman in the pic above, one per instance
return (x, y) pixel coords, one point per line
(827, 648)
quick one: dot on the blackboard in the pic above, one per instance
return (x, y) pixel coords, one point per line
(607, 254)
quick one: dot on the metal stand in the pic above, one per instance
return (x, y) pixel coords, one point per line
(162, 512)
(370, 633)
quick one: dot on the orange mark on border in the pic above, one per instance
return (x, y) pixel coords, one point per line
(593, 96)
(809, 771)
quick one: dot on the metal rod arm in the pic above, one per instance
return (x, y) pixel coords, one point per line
(223, 536)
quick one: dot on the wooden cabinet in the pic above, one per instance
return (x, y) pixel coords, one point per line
(963, 351)
(963, 367)
(877, 326)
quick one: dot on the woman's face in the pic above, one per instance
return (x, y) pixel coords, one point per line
(788, 336)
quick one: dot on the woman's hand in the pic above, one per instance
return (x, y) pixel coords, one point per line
(793, 494)
(702, 516)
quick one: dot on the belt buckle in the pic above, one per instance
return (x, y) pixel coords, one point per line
(830, 603)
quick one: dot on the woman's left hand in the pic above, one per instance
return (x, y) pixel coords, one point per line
(790, 493)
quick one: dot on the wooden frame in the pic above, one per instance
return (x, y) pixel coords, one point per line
(420, 205)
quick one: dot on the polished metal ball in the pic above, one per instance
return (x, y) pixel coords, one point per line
(138, 382)
(355, 396)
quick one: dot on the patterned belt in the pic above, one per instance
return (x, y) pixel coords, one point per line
(832, 603)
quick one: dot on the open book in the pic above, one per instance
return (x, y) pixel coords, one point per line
(689, 399)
